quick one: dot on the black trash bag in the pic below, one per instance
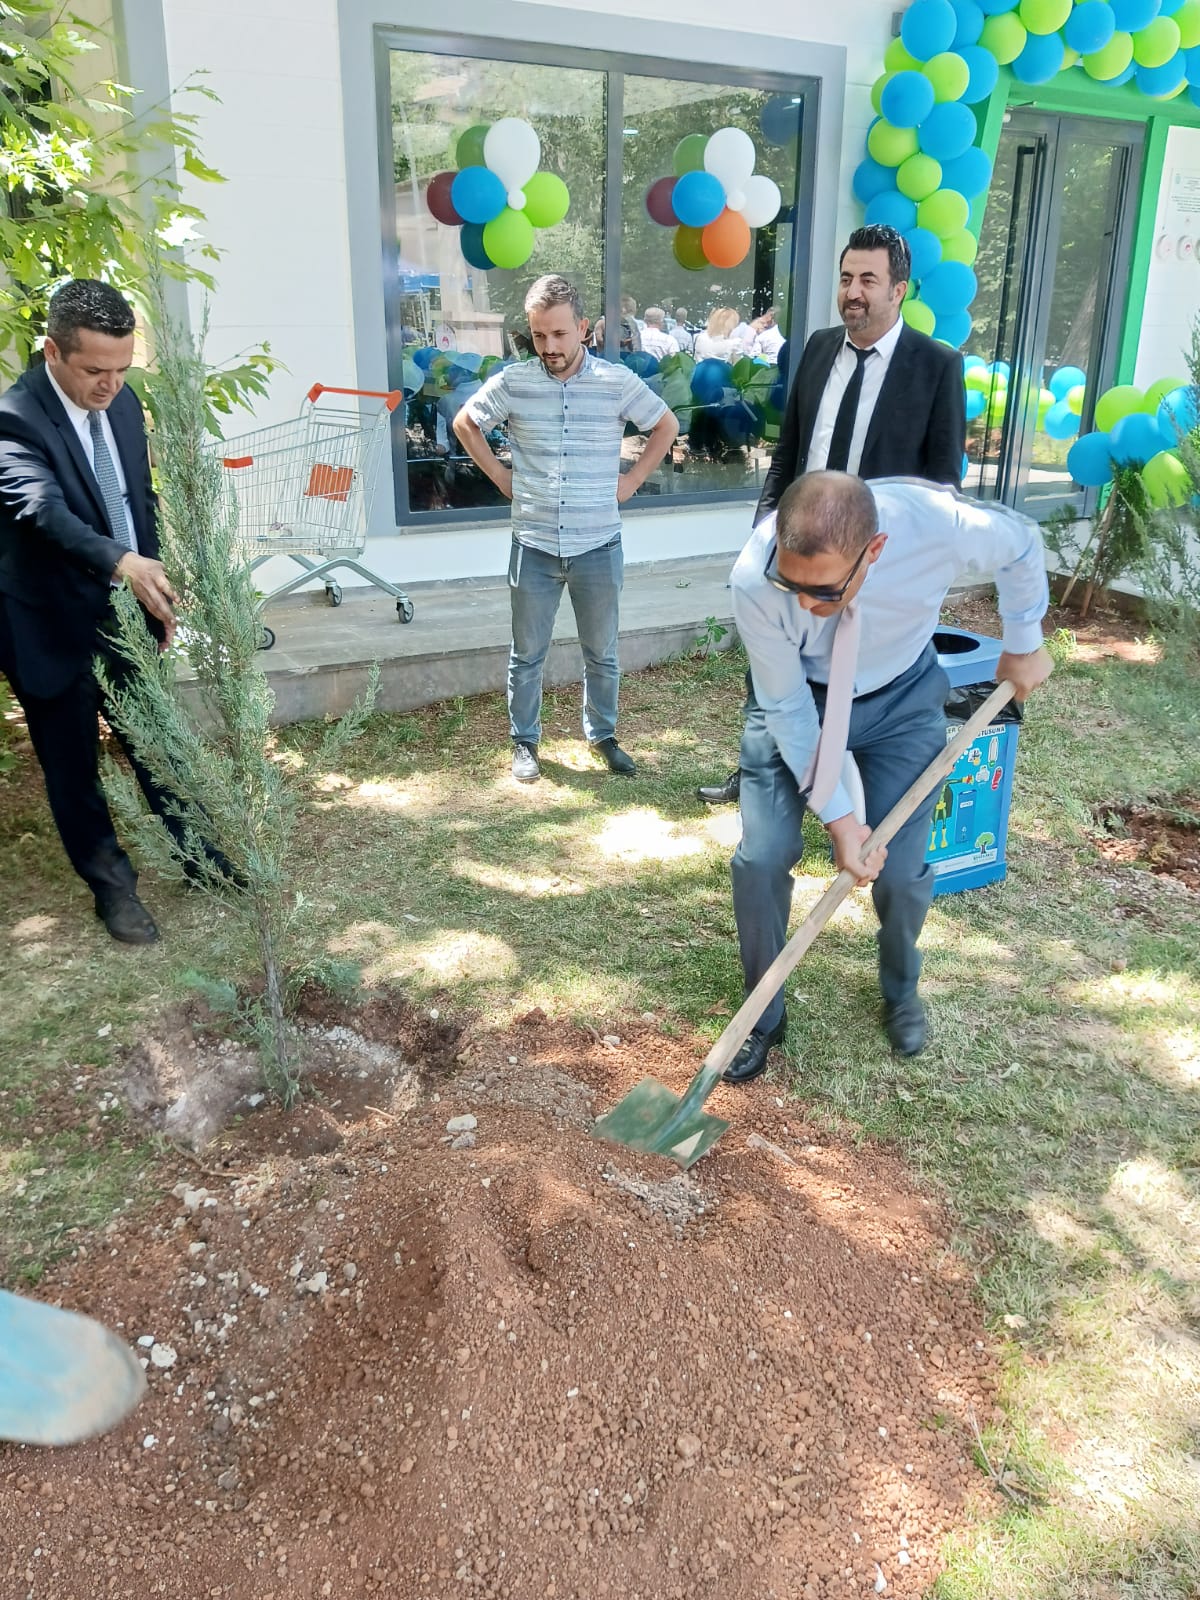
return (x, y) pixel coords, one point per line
(964, 702)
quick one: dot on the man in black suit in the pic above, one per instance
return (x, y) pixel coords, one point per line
(78, 517)
(873, 397)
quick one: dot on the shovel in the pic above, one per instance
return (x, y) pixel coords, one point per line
(63, 1377)
(651, 1117)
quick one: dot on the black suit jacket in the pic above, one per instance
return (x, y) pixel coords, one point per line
(56, 553)
(917, 430)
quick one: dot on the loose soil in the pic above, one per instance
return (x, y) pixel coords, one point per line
(508, 1360)
(1163, 839)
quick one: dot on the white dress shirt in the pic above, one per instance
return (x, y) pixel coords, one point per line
(659, 343)
(78, 417)
(935, 539)
(874, 372)
(768, 343)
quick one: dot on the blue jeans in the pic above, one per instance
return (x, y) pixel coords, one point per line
(535, 583)
(894, 734)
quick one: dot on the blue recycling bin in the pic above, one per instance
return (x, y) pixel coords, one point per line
(969, 830)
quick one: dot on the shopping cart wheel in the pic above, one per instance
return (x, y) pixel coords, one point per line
(333, 593)
(266, 638)
(404, 610)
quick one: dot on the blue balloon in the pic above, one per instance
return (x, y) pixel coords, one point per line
(928, 27)
(976, 402)
(1133, 15)
(698, 199)
(1041, 59)
(926, 250)
(949, 288)
(870, 179)
(1130, 71)
(968, 174)
(1194, 95)
(780, 119)
(971, 362)
(1159, 81)
(907, 99)
(1000, 369)
(948, 131)
(782, 359)
(468, 360)
(1089, 460)
(739, 422)
(1064, 380)
(478, 195)
(1090, 26)
(1136, 438)
(1060, 421)
(892, 210)
(970, 23)
(777, 398)
(965, 467)
(425, 356)
(1191, 63)
(984, 70)
(710, 380)
(1178, 415)
(1168, 8)
(993, 8)
(641, 362)
(472, 246)
(954, 329)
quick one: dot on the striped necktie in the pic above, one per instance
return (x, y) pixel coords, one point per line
(110, 488)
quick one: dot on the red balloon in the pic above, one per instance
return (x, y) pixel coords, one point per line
(437, 198)
(658, 202)
(727, 240)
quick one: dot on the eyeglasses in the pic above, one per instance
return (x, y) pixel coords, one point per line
(811, 591)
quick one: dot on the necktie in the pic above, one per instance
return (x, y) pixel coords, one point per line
(106, 477)
(835, 724)
(843, 426)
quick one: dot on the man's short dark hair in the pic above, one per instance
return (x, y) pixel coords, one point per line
(87, 303)
(877, 236)
(552, 291)
(826, 511)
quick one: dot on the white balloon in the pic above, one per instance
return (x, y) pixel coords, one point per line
(729, 155)
(516, 199)
(762, 201)
(735, 199)
(512, 150)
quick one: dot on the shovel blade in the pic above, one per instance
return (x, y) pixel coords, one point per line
(63, 1377)
(647, 1120)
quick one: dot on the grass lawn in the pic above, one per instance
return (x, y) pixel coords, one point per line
(1056, 1111)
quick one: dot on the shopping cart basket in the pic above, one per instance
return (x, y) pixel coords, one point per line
(303, 489)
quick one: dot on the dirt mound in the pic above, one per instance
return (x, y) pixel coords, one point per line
(1163, 839)
(507, 1360)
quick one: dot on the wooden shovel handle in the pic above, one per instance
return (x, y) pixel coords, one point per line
(756, 1002)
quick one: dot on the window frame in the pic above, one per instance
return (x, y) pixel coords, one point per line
(616, 66)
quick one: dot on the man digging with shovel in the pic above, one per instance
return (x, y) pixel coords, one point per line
(836, 597)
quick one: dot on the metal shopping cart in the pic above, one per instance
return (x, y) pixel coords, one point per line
(303, 490)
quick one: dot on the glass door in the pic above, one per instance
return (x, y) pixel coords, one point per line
(1053, 259)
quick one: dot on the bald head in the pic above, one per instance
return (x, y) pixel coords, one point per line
(826, 512)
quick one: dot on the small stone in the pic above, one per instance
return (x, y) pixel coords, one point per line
(197, 1248)
(163, 1355)
(463, 1141)
(611, 1039)
(688, 1446)
(406, 1466)
(349, 1272)
(463, 1124)
(317, 1284)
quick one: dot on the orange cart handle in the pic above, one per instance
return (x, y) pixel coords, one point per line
(392, 397)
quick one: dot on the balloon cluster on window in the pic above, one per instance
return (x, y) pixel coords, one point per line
(1141, 429)
(1059, 402)
(497, 196)
(923, 168)
(714, 198)
(735, 403)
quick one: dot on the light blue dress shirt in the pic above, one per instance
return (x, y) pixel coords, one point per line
(936, 538)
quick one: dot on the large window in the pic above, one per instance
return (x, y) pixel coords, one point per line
(610, 145)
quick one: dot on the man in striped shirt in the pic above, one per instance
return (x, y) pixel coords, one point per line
(566, 414)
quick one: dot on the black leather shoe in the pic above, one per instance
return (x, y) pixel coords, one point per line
(722, 794)
(610, 751)
(906, 1026)
(525, 768)
(751, 1059)
(127, 919)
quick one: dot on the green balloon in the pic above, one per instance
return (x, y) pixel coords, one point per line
(919, 176)
(949, 74)
(918, 315)
(1166, 480)
(978, 378)
(896, 57)
(1045, 401)
(546, 199)
(1044, 16)
(962, 246)
(689, 154)
(877, 89)
(1187, 20)
(1156, 43)
(1005, 36)
(508, 238)
(889, 145)
(689, 248)
(1076, 397)
(1116, 403)
(945, 212)
(1112, 60)
(468, 152)
(1160, 389)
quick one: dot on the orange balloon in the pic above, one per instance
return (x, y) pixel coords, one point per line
(726, 240)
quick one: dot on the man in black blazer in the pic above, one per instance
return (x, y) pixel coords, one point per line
(78, 517)
(873, 397)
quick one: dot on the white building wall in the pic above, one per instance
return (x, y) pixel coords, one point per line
(1173, 285)
(281, 221)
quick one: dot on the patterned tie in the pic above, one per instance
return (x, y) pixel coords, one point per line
(110, 488)
(843, 426)
(835, 724)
